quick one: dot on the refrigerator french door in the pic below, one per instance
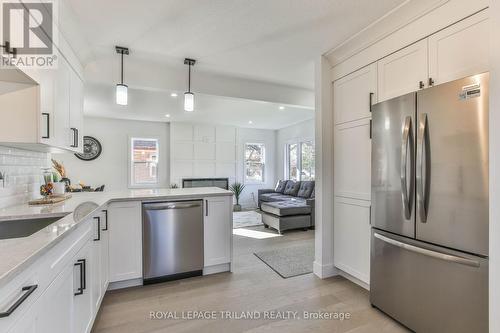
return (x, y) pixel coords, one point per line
(429, 250)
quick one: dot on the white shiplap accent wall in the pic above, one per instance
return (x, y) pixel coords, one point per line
(23, 170)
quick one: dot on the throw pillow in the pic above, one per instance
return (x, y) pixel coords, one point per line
(292, 188)
(280, 186)
(306, 189)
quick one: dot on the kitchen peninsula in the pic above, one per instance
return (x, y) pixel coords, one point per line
(68, 254)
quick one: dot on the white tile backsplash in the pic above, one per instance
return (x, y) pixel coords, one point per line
(23, 170)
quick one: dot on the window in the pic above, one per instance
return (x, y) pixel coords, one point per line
(300, 161)
(144, 154)
(255, 161)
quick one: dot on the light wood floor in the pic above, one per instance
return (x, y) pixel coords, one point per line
(252, 286)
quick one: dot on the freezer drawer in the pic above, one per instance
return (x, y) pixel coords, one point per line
(428, 288)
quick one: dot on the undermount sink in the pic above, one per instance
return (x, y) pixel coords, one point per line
(25, 227)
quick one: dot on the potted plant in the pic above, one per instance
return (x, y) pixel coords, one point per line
(237, 189)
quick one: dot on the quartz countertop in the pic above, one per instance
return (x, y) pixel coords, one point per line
(19, 253)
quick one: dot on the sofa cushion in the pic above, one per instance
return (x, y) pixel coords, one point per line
(306, 189)
(291, 188)
(280, 187)
(268, 196)
(286, 208)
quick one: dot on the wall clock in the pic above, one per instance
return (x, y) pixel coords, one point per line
(91, 149)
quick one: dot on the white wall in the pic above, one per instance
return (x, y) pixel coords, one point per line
(111, 168)
(23, 171)
(206, 151)
(303, 131)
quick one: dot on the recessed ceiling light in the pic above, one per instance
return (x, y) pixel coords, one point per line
(167, 115)
(250, 122)
(282, 107)
(173, 94)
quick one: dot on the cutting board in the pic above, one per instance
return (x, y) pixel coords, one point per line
(49, 200)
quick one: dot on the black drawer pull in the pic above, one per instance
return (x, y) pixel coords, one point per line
(98, 218)
(106, 217)
(29, 290)
(83, 278)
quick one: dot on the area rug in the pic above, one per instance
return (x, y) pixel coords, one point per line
(248, 218)
(290, 261)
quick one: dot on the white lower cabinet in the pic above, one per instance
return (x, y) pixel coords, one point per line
(125, 240)
(217, 230)
(351, 241)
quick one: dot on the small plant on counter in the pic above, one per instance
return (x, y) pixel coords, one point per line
(237, 189)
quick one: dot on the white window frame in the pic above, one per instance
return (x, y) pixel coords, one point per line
(131, 183)
(299, 143)
(251, 182)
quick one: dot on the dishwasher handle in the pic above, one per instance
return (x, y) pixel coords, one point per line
(171, 205)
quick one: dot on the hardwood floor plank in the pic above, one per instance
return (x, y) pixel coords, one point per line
(252, 287)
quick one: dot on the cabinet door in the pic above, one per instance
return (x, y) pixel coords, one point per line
(217, 231)
(97, 264)
(76, 112)
(460, 50)
(56, 304)
(61, 104)
(351, 242)
(352, 159)
(104, 252)
(125, 241)
(82, 269)
(353, 94)
(402, 71)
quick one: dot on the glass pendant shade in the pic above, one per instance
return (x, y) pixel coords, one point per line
(188, 101)
(121, 94)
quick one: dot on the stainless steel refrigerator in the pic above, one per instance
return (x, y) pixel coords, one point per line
(429, 214)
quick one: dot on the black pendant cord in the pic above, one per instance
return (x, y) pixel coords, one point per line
(189, 79)
(122, 67)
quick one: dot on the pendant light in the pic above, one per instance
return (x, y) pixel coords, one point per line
(188, 95)
(122, 89)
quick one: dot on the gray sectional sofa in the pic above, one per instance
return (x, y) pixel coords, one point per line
(288, 206)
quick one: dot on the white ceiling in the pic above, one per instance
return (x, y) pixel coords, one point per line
(155, 105)
(266, 40)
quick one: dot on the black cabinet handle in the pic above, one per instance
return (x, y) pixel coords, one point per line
(371, 101)
(106, 217)
(75, 137)
(370, 128)
(47, 115)
(421, 85)
(431, 82)
(83, 276)
(206, 207)
(98, 228)
(29, 290)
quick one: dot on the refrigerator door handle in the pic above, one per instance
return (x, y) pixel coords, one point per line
(428, 253)
(421, 181)
(405, 197)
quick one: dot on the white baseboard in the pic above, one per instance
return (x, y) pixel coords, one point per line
(125, 284)
(216, 269)
(354, 280)
(324, 271)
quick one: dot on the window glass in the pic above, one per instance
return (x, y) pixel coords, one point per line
(255, 160)
(307, 161)
(293, 161)
(144, 161)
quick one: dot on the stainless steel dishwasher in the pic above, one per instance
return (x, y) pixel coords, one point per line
(172, 240)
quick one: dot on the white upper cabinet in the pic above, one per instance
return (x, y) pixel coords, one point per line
(353, 93)
(460, 50)
(403, 71)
